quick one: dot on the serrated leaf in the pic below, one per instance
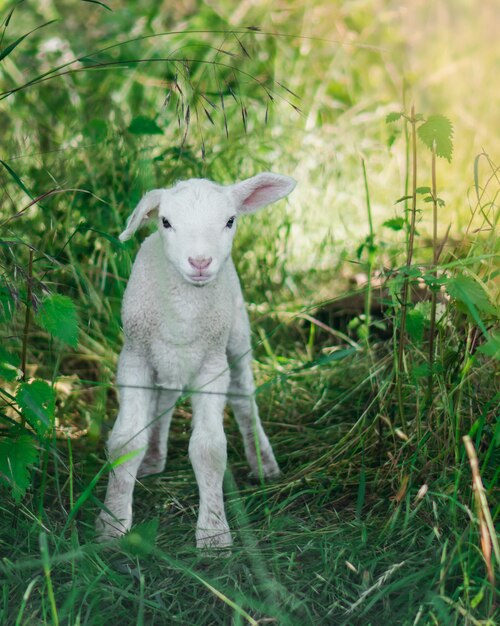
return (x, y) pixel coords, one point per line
(9, 364)
(17, 454)
(492, 346)
(142, 125)
(396, 223)
(37, 402)
(423, 190)
(140, 541)
(469, 292)
(57, 315)
(439, 129)
(393, 117)
(415, 325)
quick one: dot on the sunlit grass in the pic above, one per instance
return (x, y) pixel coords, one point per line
(371, 523)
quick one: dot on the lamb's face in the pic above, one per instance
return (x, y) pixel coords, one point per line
(197, 219)
(197, 222)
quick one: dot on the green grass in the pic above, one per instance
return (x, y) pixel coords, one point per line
(374, 519)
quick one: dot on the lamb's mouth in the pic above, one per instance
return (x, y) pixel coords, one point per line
(199, 279)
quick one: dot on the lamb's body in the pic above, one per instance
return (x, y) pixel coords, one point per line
(178, 336)
(174, 324)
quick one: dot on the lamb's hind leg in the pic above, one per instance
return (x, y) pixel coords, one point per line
(258, 450)
(129, 435)
(156, 457)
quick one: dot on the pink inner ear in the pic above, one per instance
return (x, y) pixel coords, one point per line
(261, 195)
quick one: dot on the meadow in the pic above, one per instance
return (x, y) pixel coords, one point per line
(372, 293)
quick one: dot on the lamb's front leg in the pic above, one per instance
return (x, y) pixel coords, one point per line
(208, 454)
(129, 435)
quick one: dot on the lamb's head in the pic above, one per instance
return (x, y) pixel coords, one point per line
(197, 219)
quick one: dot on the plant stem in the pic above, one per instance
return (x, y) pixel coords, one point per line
(368, 297)
(435, 253)
(26, 322)
(406, 282)
(27, 315)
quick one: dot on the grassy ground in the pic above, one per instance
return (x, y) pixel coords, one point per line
(374, 520)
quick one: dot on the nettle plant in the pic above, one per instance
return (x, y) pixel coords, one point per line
(459, 317)
(27, 414)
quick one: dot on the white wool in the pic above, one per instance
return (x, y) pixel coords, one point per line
(186, 327)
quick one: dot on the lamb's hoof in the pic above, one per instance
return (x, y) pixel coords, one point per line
(150, 467)
(108, 529)
(271, 470)
(214, 542)
(268, 468)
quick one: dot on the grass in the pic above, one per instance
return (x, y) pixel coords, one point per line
(375, 520)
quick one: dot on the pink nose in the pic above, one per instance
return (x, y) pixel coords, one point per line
(200, 262)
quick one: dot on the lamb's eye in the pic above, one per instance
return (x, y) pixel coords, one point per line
(230, 222)
(166, 223)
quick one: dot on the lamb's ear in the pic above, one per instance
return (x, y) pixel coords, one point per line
(256, 192)
(148, 205)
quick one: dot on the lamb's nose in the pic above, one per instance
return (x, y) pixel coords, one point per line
(200, 262)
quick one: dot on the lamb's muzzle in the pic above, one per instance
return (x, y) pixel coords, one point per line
(178, 337)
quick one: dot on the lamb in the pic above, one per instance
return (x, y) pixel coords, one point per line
(186, 327)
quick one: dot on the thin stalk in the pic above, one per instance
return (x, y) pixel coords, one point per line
(406, 282)
(368, 296)
(27, 318)
(435, 253)
(27, 315)
(44, 553)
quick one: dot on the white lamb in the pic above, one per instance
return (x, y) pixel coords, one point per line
(186, 327)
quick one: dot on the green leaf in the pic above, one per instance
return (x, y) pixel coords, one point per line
(37, 402)
(96, 129)
(393, 117)
(468, 290)
(415, 321)
(142, 125)
(6, 51)
(57, 316)
(402, 199)
(397, 223)
(99, 3)
(140, 541)
(6, 304)
(471, 293)
(439, 129)
(17, 179)
(423, 190)
(17, 454)
(492, 346)
(9, 364)
(328, 358)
